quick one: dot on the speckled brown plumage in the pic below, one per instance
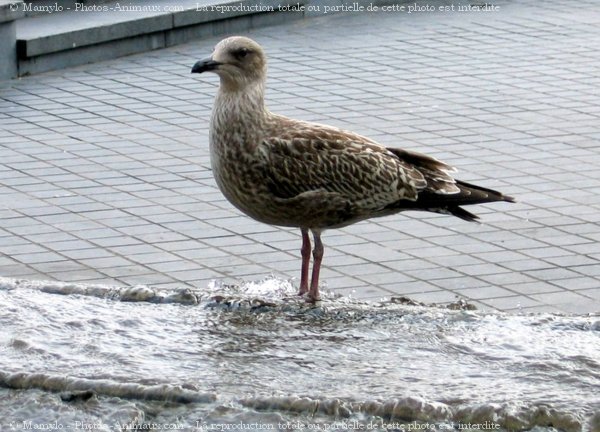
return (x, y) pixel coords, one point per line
(293, 173)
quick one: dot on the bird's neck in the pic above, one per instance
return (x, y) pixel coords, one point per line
(241, 112)
(248, 101)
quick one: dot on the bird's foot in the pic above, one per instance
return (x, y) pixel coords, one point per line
(313, 300)
(313, 296)
(308, 298)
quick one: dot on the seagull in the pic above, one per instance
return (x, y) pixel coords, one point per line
(294, 173)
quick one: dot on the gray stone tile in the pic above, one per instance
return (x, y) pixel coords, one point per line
(171, 267)
(485, 293)
(365, 292)
(516, 304)
(459, 283)
(551, 274)
(362, 270)
(83, 275)
(482, 270)
(80, 254)
(146, 279)
(126, 271)
(384, 278)
(437, 297)
(567, 301)
(153, 258)
(507, 278)
(591, 293)
(69, 245)
(103, 263)
(577, 283)
(536, 287)
(19, 270)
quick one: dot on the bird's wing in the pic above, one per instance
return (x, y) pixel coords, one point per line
(301, 157)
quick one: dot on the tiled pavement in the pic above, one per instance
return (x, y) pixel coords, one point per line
(104, 169)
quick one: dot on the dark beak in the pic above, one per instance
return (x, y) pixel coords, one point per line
(204, 65)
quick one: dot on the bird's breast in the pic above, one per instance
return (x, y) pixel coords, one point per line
(238, 170)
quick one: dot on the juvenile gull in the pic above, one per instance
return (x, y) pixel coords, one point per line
(293, 173)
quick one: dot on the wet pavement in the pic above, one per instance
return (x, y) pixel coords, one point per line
(105, 174)
(246, 355)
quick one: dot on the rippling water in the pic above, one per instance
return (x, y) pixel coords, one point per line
(255, 357)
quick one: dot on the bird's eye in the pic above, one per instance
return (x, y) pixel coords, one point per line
(241, 53)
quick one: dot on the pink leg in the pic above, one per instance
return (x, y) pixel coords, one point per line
(305, 251)
(313, 294)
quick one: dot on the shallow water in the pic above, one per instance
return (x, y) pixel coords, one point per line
(255, 357)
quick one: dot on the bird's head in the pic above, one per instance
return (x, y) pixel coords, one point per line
(239, 62)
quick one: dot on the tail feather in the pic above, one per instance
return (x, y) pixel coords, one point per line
(473, 194)
(480, 194)
(441, 195)
(469, 194)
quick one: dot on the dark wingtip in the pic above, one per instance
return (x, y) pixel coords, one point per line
(463, 214)
(509, 199)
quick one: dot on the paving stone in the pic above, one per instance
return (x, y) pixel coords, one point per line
(103, 263)
(577, 283)
(567, 301)
(482, 269)
(365, 292)
(83, 275)
(437, 297)
(458, 283)
(384, 278)
(407, 264)
(552, 274)
(150, 279)
(592, 293)
(199, 275)
(507, 278)
(171, 267)
(410, 287)
(485, 293)
(126, 271)
(515, 304)
(153, 258)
